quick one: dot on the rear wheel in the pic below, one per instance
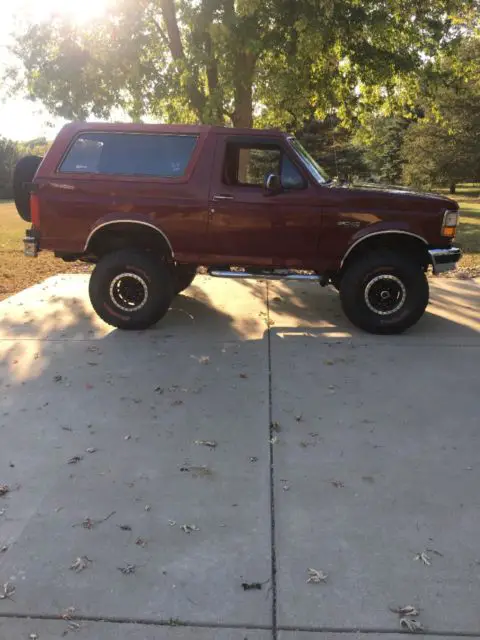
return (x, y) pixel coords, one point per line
(184, 275)
(130, 289)
(384, 292)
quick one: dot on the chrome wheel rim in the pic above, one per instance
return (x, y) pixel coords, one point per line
(385, 294)
(128, 292)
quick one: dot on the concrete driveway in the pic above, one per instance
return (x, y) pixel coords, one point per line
(181, 482)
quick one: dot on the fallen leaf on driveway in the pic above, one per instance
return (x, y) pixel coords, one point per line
(124, 527)
(91, 450)
(274, 440)
(424, 557)
(316, 576)
(7, 591)
(80, 564)
(247, 586)
(411, 625)
(127, 437)
(68, 613)
(408, 610)
(253, 459)
(57, 378)
(147, 507)
(4, 489)
(140, 542)
(4, 548)
(127, 569)
(75, 459)
(188, 528)
(338, 484)
(201, 472)
(207, 443)
(88, 523)
(172, 523)
(244, 376)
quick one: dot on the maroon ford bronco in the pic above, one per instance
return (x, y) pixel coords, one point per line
(148, 203)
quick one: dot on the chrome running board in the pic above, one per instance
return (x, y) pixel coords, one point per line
(266, 275)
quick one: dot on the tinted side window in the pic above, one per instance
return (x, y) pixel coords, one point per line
(165, 156)
(290, 176)
(246, 165)
(250, 166)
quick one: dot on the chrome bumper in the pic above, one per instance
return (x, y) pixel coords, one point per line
(444, 259)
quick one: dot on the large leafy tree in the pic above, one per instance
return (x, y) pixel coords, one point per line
(443, 148)
(9, 154)
(381, 139)
(233, 61)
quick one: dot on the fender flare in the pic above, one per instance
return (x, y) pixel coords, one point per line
(378, 233)
(127, 221)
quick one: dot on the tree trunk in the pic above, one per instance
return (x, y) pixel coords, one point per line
(244, 72)
(453, 188)
(195, 95)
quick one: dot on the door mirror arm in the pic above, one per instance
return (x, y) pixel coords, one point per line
(273, 185)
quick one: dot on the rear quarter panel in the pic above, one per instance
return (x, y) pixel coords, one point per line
(74, 205)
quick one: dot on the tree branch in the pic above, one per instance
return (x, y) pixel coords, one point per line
(170, 18)
(161, 32)
(195, 94)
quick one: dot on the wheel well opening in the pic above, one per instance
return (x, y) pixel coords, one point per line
(401, 243)
(127, 236)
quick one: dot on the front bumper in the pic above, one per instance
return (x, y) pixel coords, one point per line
(444, 259)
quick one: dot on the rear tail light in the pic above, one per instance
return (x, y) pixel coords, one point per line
(35, 210)
(449, 224)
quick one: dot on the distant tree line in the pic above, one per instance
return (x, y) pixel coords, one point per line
(10, 153)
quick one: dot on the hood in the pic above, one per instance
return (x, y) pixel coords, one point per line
(398, 191)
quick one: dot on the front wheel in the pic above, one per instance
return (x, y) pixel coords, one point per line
(384, 292)
(130, 289)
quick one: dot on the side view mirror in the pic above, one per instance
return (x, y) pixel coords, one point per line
(273, 184)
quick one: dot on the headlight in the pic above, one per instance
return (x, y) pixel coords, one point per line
(449, 225)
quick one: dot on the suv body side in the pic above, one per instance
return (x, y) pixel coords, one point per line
(76, 205)
(205, 220)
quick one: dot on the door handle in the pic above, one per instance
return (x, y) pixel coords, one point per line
(222, 197)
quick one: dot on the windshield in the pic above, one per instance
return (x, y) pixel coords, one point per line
(320, 175)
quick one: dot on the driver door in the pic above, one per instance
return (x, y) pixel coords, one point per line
(247, 224)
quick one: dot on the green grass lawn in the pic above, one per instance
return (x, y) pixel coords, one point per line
(468, 236)
(18, 272)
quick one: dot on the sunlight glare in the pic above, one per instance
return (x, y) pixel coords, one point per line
(79, 11)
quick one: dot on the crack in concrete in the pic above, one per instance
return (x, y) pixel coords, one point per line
(271, 434)
(225, 625)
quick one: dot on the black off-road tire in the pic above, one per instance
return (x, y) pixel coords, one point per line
(184, 275)
(130, 289)
(24, 173)
(384, 292)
